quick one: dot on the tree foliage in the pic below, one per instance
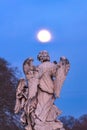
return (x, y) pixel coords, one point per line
(8, 83)
(70, 123)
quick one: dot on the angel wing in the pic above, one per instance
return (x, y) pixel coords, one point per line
(63, 68)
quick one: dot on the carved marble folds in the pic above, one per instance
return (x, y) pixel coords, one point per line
(36, 93)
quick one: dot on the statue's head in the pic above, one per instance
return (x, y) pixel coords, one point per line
(28, 61)
(43, 56)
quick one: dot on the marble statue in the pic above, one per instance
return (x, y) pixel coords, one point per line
(36, 93)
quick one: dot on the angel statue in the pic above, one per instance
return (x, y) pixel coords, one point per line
(43, 85)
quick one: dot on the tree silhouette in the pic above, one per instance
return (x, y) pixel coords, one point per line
(70, 123)
(8, 83)
(81, 123)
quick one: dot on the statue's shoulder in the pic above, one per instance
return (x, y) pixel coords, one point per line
(47, 64)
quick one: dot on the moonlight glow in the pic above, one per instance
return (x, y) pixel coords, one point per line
(44, 36)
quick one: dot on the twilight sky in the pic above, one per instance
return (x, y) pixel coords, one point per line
(67, 20)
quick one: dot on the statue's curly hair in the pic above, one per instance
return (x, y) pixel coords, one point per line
(43, 56)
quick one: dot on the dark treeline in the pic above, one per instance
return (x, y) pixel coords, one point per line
(71, 123)
(10, 121)
(8, 83)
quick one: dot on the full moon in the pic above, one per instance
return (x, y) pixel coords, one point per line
(44, 35)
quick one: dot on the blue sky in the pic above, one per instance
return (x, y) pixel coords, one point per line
(67, 20)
